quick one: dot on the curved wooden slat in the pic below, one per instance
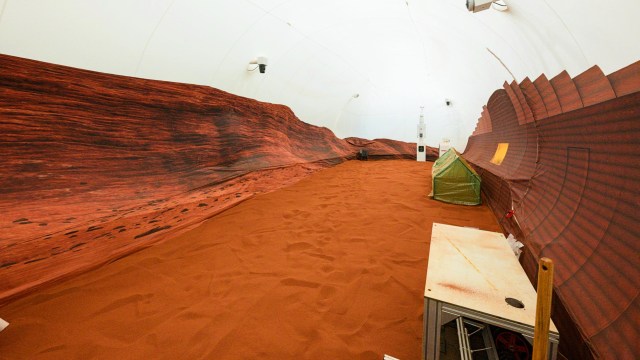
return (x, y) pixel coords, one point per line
(566, 91)
(487, 119)
(548, 94)
(533, 98)
(528, 114)
(516, 103)
(593, 86)
(626, 80)
(476, 131)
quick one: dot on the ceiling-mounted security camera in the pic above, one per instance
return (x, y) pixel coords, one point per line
(259, 63)
(262, 64)
(447, 102)
(478, 5)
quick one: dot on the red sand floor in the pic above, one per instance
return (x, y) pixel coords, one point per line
(332, 267)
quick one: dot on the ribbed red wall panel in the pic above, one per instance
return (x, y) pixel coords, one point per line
(516, 103)
(572, 179)
(626, 80)
(484, 123)
(566, 92)
(487, 119)
(528, 114)
(533, 98)
(551, 102)
(593, 86)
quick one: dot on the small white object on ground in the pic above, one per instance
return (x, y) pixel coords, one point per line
(515, 245)
(3, 324)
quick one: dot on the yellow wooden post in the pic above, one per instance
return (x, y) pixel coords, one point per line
(543, 309)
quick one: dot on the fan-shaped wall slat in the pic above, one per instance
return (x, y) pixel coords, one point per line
(533, 99)
(516, 103)
(548, 94)
(626, 80)
(593, 86)
(566, 91)
(528, 114)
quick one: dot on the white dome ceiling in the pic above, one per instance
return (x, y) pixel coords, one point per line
(397, 55)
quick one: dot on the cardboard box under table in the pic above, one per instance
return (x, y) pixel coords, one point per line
(470, 276)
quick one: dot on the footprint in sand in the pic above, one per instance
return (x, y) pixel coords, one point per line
(327, 268)
(132, 300)
(326, 296)
(52, 349)
(327, 291)
(321, 256)
(410, 262)
(300, 283)
(328, 197)
(298, 246)
(296, 213)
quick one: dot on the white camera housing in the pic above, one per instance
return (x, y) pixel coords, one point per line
(260, 62)
(478, 5)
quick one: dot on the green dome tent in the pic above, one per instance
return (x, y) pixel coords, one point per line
(454, 180)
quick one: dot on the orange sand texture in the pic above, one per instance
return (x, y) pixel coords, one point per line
(332, 267)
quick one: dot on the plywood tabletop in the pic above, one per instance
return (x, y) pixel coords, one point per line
(477, 270)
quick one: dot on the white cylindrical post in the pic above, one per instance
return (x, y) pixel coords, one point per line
(421, 148)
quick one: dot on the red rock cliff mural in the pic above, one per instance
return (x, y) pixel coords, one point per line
(95, 166)
(571, 175)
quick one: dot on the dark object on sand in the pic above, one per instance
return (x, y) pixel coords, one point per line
(362, 154)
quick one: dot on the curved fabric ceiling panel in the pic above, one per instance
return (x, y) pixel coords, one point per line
(396, 55)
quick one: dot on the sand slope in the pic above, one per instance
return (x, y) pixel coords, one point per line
(331, 267)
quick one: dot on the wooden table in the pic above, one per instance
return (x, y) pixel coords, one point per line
(470, 274)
